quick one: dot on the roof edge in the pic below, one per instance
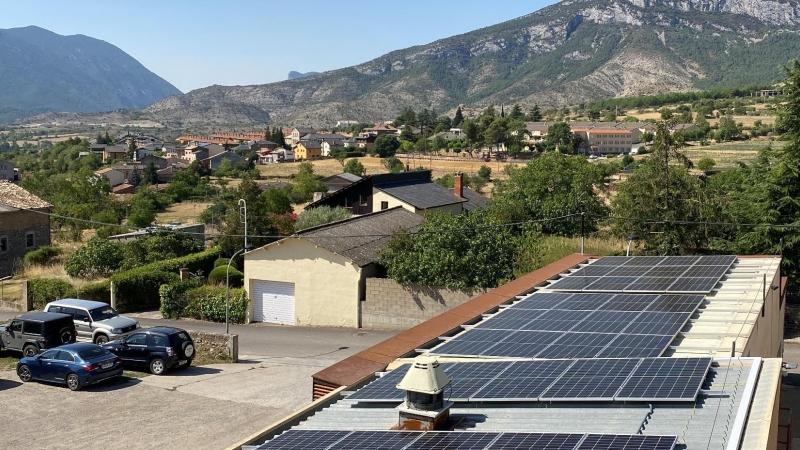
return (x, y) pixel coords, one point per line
(355, 217)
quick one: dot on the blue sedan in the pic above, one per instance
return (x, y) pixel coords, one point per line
(76, 365)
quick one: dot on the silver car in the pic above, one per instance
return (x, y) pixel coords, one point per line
(94, 321)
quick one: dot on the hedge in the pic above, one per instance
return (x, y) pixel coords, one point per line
(43, 256)
(44, 290)
(208, 303)
(137, 289)
(173, 301)
(197, 261)
(99, 292)
(220, 275)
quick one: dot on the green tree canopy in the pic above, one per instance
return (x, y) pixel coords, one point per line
(354, 166)
(386, 145)
(320, 216)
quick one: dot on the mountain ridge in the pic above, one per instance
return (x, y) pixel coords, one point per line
(45, 71)
(565, 54)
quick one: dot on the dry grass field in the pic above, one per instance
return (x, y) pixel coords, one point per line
(185, 212)
(727, 154)
(10, 290)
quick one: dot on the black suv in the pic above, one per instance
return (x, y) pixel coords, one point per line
(33, 332)
(157, 348)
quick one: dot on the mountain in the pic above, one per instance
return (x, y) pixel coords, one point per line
(296, 75)
(571, 52)
(43, 71)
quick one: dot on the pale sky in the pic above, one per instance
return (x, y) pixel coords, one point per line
(194, 44)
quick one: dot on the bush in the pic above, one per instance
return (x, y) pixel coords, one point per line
(137, 289)
(219, 276)
(223, 262)
(44, 290)
(320, 216)
(43, 256)
(99, 292)
(173, 302)
(99, 257)
(208, 303)
(203, 261)
(110, 230)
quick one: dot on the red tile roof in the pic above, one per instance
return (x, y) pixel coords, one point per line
(377, 357)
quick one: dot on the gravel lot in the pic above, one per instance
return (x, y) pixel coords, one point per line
(123, 415)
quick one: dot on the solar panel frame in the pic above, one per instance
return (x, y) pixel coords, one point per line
(542, 300)
(584, 302)
(644, 261)
(573, 283)
(629, 302)
(606, 322)
(305, 439)
(460, 347)
(536, 441)
(627, 442)
(662, 379)
(693, 285)
(610, 284)
(658, 323)
(705, 271)
(577, 345)
(453, 440)
(716, 260)
(376, 440)
(650, 284)
(615, 261)
(676, 303)
(593, 270)
(679, 261)
(557, 320)
(636, 346)
(383, 389)
(591, 380)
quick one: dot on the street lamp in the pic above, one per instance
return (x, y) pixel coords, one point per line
(631, 238)
(228, 287)
(243, 212)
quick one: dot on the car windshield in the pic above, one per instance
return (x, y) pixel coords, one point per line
(103, 313)
(92, 353)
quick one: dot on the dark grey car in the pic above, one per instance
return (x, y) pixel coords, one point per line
(33, 332)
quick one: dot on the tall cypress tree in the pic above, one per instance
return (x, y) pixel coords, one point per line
(459, 118)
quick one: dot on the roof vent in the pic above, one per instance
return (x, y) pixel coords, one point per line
(424, 407)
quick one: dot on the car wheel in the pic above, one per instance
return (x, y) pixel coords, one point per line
(188, 350)
(157, 366)
(66, 335)
(101, 339)
(30, 350)
(73, 382)
(24, 373)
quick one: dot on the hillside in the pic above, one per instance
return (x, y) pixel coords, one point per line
(43, 71)
(565, 54)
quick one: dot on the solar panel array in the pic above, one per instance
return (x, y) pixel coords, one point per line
(648, 274)
(652, 379)
(460, 440)
(580, 325)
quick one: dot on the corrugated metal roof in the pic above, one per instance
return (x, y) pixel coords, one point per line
(708, 420)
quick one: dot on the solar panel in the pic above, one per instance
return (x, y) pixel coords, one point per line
(615, 261)
(665, 271)
(593, 270)
(544, 300)
(629, 302)
(573, 283)
(678, 379)
(636, 346)
(658, 323)
(461, 347)
(644, 261)
(377, 440)
(523, 344)
(305, 439)
(595, 379)
(557, 320)
(444, 440)
(705, 271)
(627, 442)
(679, 261)
(606, 322)
(650, 284)
(693, 285)
(524, 380)
(584, 302)
(676, 303)
(610, 284)
(383, 388)
(576, 345)
(718, 260)
(536, 441)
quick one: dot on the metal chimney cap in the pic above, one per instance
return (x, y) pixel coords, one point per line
(425, 376)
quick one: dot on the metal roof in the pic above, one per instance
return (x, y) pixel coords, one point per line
(421, 194)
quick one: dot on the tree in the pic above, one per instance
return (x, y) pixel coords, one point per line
(561, 137)
(703, 124)
(593, 114)
(407, 134)
(354, 167)
(132, 148)
(706, 164)
(306, 183)
(277, 201)
(393, 165)
(459, 117)
(485, 172)
(495, 132)
(666, 113)
(99, 257)
(150, 174)
(439, 143)
(259, 222)
(471, 131)
(386, 145)
(135, 178)
(552, 185)
(610, 116)
(534, 115)
(516, 113)
(728, 129)
(320, 216)
(442, 254)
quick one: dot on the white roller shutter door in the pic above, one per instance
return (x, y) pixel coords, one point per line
(273, 302)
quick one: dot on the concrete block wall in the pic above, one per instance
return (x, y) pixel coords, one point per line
(391, 305)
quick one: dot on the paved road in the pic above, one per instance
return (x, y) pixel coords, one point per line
(265, 341)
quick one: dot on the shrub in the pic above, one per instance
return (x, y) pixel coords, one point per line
(137, 289)
(203, 261)
(110, 230)
(223, 262)
(173, 302)
(208, 303)
(99, 292)
(43, 256)
(219, 275)
(99, 257)
(44, 290)
(485, 172)
(320, 216)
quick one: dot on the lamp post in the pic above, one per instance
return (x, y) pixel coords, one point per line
(631, 238)
(228, 288)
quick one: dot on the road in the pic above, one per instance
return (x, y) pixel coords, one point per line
(274, 341)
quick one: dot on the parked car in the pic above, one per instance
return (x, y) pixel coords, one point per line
(76, 365)
(94, 321)
(158, 349)
(33, 332)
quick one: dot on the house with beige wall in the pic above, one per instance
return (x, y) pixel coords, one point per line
(317, 279)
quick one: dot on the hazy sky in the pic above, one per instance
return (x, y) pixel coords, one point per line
(194, 44)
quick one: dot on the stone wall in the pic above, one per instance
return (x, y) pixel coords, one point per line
(217, 342)
(390, 305)
(14, 225)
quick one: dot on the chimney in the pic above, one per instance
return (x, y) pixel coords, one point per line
(424, 408)
(458, 185)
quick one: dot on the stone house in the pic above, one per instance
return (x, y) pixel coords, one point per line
(8, 172)
(23, 226)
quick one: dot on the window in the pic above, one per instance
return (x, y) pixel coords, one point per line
(29, 240)
(81, 315)
(32, 328)
(384, 205)
(69, 311)
(50, 354)
(137, 339)
(15, 326)
(54, 309)
(3, 244)
(160, 341)
(65, 356)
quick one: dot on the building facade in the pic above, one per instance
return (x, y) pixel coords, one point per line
(23, 227)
